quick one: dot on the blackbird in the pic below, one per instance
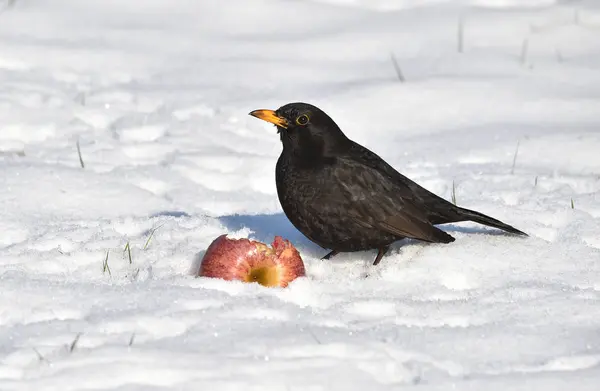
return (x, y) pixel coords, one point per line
(344, 197)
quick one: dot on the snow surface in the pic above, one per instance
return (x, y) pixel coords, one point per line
(157, 93)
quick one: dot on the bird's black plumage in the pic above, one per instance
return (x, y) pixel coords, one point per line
(344, 197)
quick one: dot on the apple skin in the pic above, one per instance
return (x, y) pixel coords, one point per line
(251, 261)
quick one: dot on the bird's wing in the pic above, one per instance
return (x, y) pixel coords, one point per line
(374, 200)
(437, 209)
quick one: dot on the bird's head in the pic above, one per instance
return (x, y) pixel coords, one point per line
(304, 128)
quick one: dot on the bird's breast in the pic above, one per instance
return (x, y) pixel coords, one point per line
(299, 187)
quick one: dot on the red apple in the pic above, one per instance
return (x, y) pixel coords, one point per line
(251, 261)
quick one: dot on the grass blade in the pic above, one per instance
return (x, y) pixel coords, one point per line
(151, 235)
(74, 343)
(453, 193)
(397, 68)
(79, 153)
(39, 355)
(128, 251)
(460, 34)
(512, 170)
(105, 267)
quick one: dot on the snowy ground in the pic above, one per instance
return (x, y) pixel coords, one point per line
(157, 93)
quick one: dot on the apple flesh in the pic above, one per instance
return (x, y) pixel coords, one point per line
(251, 261)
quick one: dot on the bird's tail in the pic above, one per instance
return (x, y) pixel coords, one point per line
(467, 214)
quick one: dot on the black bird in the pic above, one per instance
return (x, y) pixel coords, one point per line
(345, 198)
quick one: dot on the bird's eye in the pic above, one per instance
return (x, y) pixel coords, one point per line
(302, 120)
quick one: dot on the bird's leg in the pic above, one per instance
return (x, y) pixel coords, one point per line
(332, 253)
(380, 254)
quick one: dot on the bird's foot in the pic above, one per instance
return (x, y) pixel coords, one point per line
(332, 253)
(382, 251)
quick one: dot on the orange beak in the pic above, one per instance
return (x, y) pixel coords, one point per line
(270, 116)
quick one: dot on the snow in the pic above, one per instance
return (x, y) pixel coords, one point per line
(157, 94)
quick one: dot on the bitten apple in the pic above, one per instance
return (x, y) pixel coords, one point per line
(251, 261)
